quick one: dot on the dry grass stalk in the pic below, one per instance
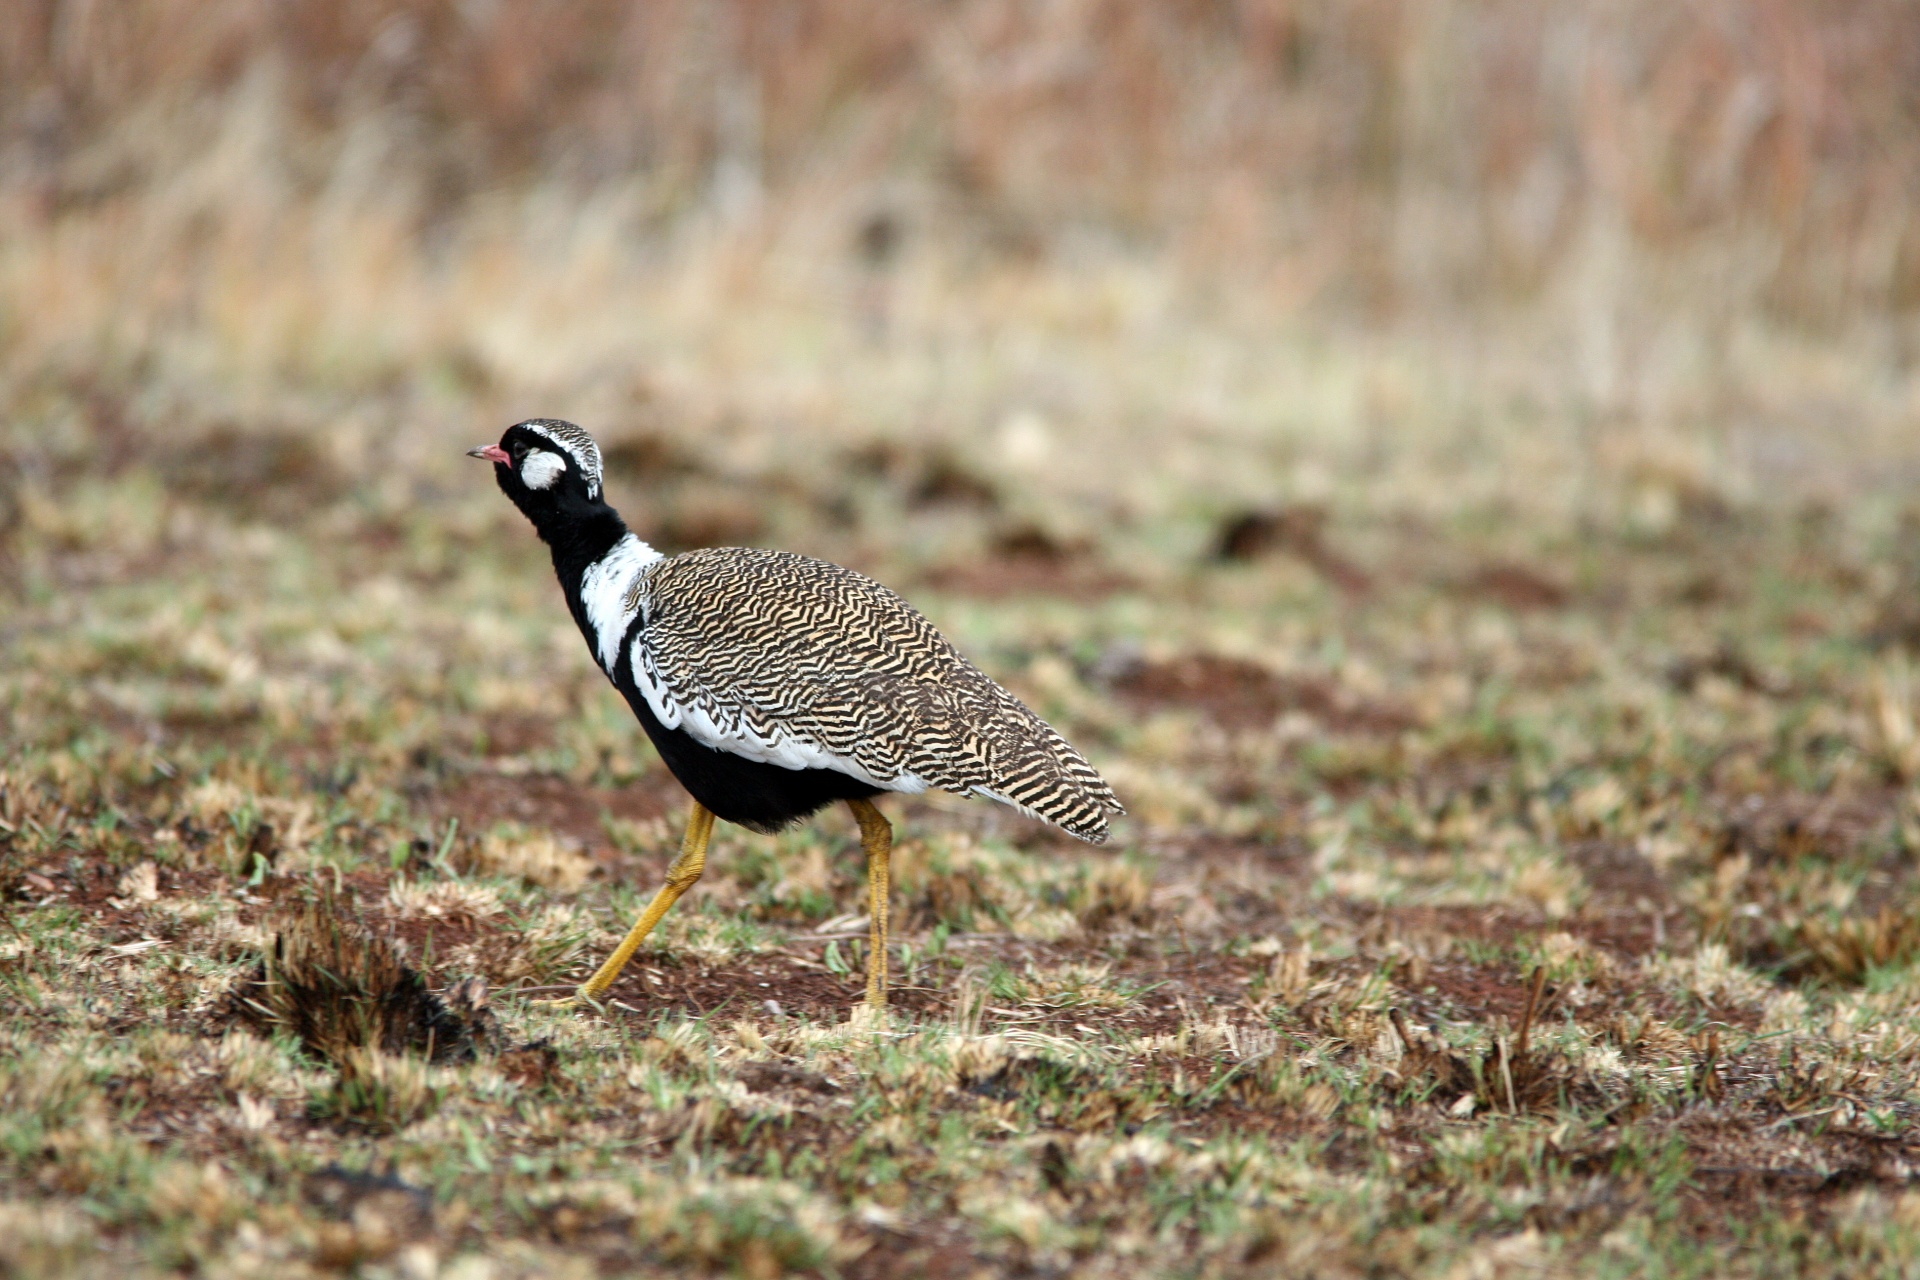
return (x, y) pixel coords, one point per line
(1846, 950)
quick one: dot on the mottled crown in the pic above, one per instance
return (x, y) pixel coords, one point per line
(578, 445)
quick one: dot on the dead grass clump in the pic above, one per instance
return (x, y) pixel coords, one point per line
(1513, 1074)
(550, 943)
(1728, 662)
(534, 856)
(451, 900)
(1289, 975)
(1277, 1082)
(1061, 1093)
(368, 1216)
(1426, 1057)
(1113, 893)
(38, 1239)
(381, 1092)
(1846, 950)
(342, 991)
(535, 1065)
(955, 896)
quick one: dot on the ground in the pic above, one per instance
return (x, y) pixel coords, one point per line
(1501, 894)
(1452, 467)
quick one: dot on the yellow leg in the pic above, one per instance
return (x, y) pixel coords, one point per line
(876, 837)
(680, 877)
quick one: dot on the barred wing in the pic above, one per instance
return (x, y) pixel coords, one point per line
(798, 662)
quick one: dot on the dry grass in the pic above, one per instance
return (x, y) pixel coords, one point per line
(1449, 465)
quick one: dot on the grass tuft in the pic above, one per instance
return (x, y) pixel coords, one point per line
(344, 994)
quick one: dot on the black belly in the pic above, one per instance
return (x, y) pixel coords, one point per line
(753, 793)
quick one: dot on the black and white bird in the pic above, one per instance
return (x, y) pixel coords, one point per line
(773, 684)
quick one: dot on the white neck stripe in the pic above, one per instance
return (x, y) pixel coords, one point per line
(604, 591)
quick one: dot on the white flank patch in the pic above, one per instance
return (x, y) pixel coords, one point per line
(541, 469)
(783, 749)
(603, 590)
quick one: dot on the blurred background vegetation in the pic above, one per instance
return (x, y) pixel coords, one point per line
(1137, 262)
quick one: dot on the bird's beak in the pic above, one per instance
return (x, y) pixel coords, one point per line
(491, 452)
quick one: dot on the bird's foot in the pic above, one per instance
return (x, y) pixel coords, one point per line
(581, 998)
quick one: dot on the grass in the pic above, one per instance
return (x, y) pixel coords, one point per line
(1504, 640)
(1456, 927)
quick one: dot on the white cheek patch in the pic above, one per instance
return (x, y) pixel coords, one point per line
(541, 469)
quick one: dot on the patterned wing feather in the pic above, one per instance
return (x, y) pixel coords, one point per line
(788, 658)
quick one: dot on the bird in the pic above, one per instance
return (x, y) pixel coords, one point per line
(773, 684)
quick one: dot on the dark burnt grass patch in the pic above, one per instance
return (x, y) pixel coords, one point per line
(342, 990)
(480, 799)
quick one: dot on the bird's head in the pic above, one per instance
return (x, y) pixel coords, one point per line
(548, 467)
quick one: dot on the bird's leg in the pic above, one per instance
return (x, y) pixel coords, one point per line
(680, 877)
(876, 837)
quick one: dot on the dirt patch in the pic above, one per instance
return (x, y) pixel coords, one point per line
(544, 800)
(1001, 575)
(1482, 993)
(1787, 825)
(1615, 869)
(170, 1108)
(656, 985)
(1808, 1164)
(1516, 586)
(514, 735)
(1632, 933)
(932, 1253)
(424, 939)
(1237, 694)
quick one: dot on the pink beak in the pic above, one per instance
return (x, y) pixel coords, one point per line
(492, 453)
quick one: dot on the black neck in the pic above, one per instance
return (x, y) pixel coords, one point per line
(580, 534)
